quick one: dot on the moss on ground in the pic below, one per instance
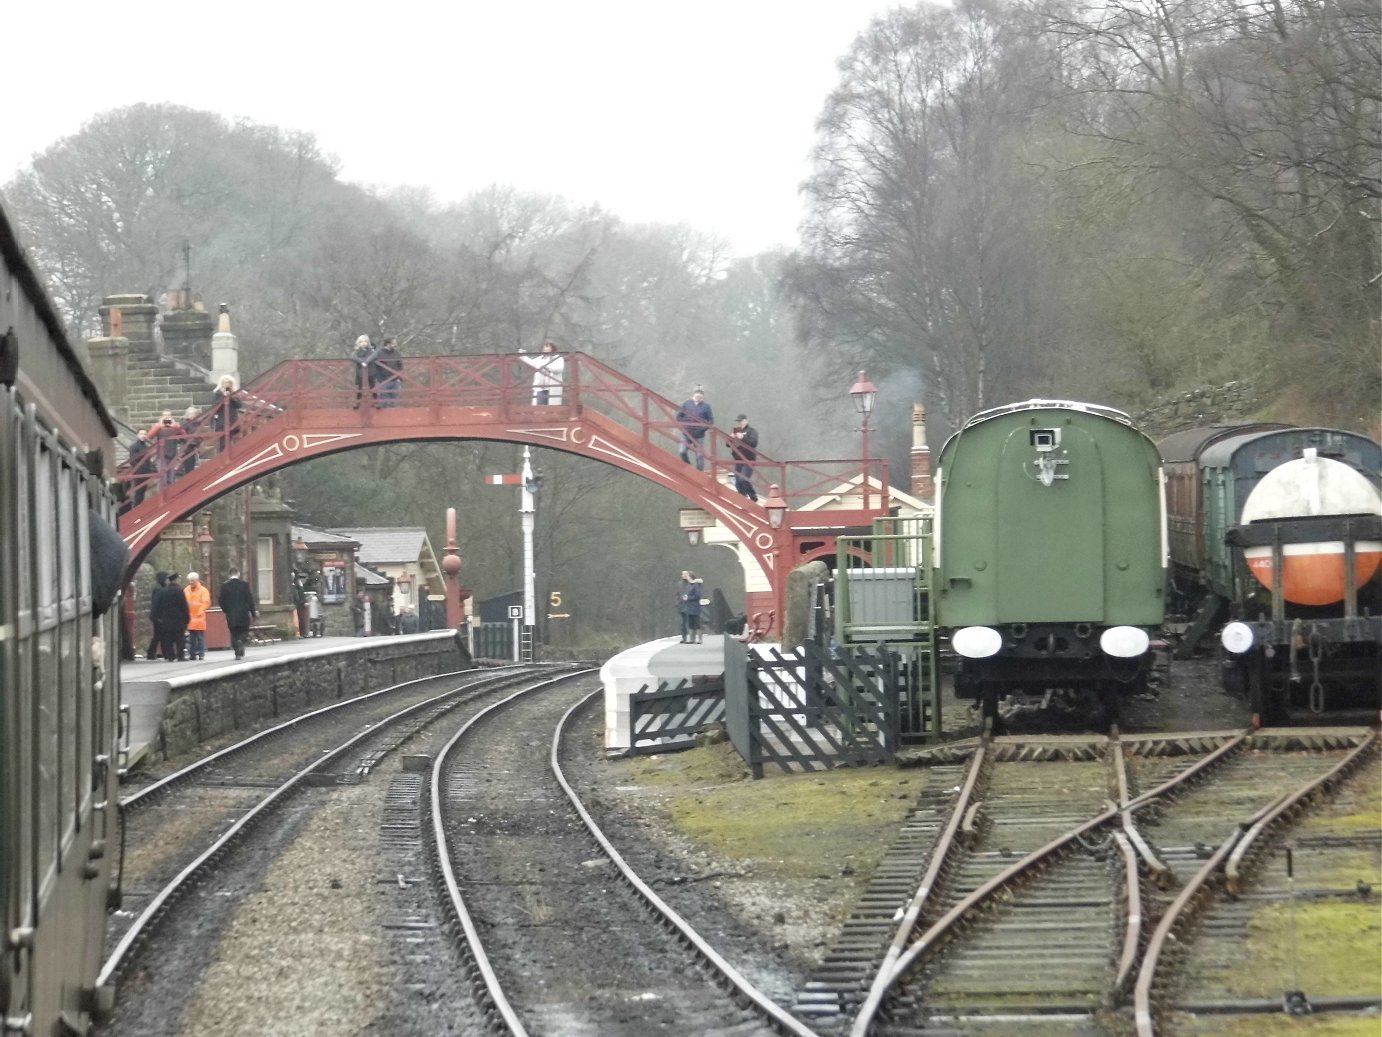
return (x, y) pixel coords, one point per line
(1333, 1025)
(791, 826)
(1336, 950)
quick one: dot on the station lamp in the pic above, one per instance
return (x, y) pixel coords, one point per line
(863, 392)
(776, 505)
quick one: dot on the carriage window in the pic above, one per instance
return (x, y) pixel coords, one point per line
(45, 698)
(87, 708)
(21, 736)
(69, 628)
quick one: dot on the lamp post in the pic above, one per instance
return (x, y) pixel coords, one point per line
(776, 506)
(863, 392)
(204, 542)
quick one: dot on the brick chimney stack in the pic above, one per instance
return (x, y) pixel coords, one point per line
(923, 485)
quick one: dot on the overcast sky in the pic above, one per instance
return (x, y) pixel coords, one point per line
(698, 113)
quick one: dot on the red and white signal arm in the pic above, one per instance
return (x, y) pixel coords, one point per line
(503, 480)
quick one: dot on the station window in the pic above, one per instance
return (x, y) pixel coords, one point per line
(264, 570)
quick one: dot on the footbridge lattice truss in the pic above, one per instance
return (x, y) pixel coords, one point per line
(303, 409)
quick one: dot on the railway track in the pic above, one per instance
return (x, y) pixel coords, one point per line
(1031, 908)
(562, 936)
(209, 818)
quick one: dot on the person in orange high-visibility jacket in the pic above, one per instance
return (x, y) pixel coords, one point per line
(198, 601)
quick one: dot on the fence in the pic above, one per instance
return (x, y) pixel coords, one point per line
(670, 716)
(812, 709)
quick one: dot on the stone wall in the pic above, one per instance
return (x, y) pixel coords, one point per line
(1229, 403)
(199, 710)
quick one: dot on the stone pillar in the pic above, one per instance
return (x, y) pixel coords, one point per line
(187, 336)
(109, 360)
(923, 484)
(225, 349)
(131, 316)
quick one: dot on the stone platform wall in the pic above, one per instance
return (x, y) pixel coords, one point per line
(263, 692)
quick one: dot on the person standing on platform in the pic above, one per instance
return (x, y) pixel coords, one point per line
(237, 602)
(693, 610)
(683, 585)
(198, 601)
(160, 580)
(695, 419)
(745, 451)
(170, 619)
(363, 358)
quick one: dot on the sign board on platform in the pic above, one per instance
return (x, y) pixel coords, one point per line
(515, 611)
(177, 531)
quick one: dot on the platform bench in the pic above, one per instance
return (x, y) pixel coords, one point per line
(263, 634)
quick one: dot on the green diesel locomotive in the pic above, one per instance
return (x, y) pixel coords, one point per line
(1049, 554)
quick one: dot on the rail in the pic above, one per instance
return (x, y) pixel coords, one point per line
(903, 963)
(1229, 855)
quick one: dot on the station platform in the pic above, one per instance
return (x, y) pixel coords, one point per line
(666, 660)
(146, 685)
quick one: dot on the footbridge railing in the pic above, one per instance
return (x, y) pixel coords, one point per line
(441, 397)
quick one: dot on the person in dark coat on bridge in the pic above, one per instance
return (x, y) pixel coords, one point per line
(226, 410)
(191, 440)
(388, 366)
(171, 615)
(143, 463)
(745, 451)
(695, 419)
(363, 358)
(236, 600)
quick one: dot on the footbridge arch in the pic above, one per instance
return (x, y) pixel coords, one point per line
(304, 409)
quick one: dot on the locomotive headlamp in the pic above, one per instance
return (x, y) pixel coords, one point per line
(1237, 637)
(1045, 441)
(1124, 642)
(976, 642)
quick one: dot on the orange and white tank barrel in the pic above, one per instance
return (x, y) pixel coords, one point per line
(1309, 487)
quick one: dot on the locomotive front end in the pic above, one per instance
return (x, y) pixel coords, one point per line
(1050, 553)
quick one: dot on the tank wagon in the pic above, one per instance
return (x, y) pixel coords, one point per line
(61, 566)
(1050, 553)
(1278, 530)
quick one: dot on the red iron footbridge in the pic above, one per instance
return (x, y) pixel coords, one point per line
(303, 409)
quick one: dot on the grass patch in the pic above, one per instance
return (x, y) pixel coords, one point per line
(793, 826)
(1334, 1025)
(1337, 950)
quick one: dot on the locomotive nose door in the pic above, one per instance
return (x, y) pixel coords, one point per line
(1050, 531)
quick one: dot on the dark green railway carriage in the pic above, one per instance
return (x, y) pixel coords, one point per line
(61, 563)
(1050, 552)
(1281, 650)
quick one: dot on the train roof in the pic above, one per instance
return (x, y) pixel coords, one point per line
(21, 268)
(1188, 444)
(1096, 409)
(1222, 453)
